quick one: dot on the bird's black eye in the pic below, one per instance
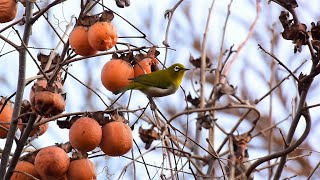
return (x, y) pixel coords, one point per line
(176, 68)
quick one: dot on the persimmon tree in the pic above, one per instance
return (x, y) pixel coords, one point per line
(250, 90)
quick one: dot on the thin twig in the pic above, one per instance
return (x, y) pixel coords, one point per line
(22, 142)
(249, 35)
(283, 65)
(292, 147)
(215, 109)
(202, 86)
(169, 14)
(313, 171)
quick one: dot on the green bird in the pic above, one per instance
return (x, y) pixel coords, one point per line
(158, 83)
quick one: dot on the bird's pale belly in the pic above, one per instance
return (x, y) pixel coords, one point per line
(158, 92)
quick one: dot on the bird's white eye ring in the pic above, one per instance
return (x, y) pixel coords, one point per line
(176, 68)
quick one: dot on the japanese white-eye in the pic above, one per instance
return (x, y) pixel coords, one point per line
(158, 83)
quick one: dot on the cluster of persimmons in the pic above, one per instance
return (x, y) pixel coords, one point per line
(90, 35)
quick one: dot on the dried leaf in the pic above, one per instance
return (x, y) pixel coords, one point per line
(67, 123)
(240, 156)
(43, 59)
(315, 30)
(148, 136)
(206, 121)
(295, 32)
(123, 3)
(225, 89)
(291, 3)
(194, 101)
(153, 52)
(284, 15)
(240, 146)
(126, 57)
(139, 57)
(88, 20)
(107, 16)
(197, 62)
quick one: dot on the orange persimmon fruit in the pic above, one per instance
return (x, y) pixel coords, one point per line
(8, 10)
(85, 134)
(116, 138)
(115, 74)
(47, 100)
(78, 40)
(81, 169)
(51, 162)
(5, 117)
(26, 167)
(142, 67)
(102, 35)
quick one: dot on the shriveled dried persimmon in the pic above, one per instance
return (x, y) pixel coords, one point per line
(47, 100)
(26, 167)
(115, 74)
(52, 162)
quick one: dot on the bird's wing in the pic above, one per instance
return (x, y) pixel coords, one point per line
(157, 80)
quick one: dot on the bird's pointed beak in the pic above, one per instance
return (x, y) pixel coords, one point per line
(186, 69)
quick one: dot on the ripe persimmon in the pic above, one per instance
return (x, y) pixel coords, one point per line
(85, 134)
(51, 162)
(142, 67)
(102, 35)
(47, 100)
(26, 167)
(5, 117)
(81, 169)
(64, 177)
(8, 10)
(116, 138)
(78, 40)
(115, 74)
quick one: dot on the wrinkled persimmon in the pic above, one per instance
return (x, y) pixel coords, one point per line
(116, 74)
(26, 167)
(47, 100)
(51, 162)
(116, 138)
(8, 10)
(85, 134)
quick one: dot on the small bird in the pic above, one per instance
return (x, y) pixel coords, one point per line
(158, 83)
